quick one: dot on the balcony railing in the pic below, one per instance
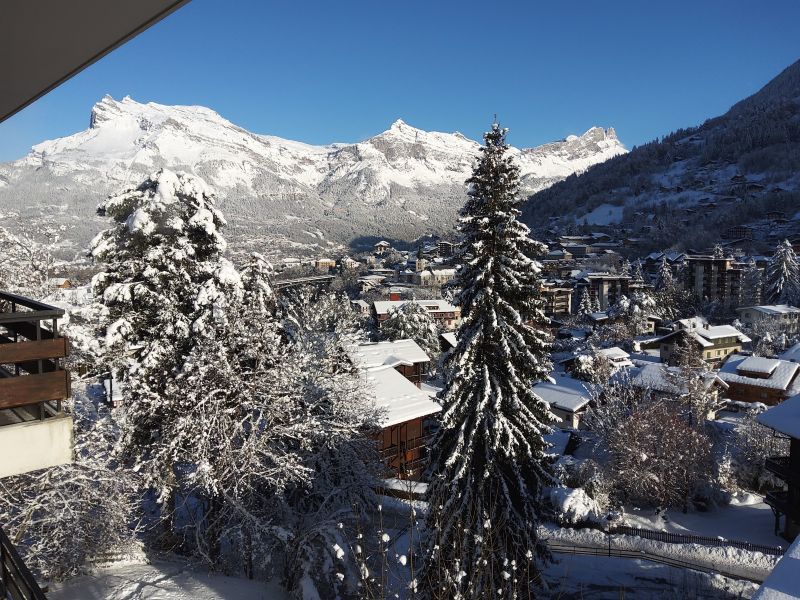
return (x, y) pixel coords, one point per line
(780, 501)
(16, 581)
(781, 466)
(398, 450)
(33, 382)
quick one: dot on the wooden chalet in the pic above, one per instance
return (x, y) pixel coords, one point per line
(784, 419)
(34, 430)
(393, 372)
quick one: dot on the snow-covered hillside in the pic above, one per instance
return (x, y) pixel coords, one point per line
(732, 170)
(400, 184)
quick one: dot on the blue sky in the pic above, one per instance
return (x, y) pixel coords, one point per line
(327, 71)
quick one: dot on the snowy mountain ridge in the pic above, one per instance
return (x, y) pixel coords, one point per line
(269, 186)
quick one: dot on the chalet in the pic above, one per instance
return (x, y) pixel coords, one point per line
(661, 381)
(784, 419)
(403, 355)
(61, 283)
(778, 318)
(756, 379)
(35, 433)
(776, 215)
(557, 299)
(434, 276)
(446, 315)
(715, 342)
(323, 265)
(382, 247)
(568, 398)
(739, 232)
(616, 356)
(360, 306)
(392, 372)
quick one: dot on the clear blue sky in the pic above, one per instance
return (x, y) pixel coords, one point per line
(325, 71)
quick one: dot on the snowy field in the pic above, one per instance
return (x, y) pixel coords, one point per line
(605, 214)
(161, 581)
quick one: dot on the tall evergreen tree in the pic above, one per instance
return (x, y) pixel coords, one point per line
(637, 273)
(664, 279)
(488, 461)
(411, 321)
(782, 285)
(585, 307)
(752, 281)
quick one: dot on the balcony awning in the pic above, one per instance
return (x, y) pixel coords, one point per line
(45, 42)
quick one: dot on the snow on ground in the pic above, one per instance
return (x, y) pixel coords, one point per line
(604, 578)
(784, 581)
(742, 563)
(746, 519)
(161, 581)
(605, 214)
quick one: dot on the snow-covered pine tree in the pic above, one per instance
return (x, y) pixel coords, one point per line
(625, 269)
(585, 305)
(488, 462)
(165, 288)
(719, 251)
(637, 274)
(411, 320)
(782, 284)
(752, 281)
(664, 279)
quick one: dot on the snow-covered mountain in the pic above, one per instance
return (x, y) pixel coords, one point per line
(285, 195)
(697, 185)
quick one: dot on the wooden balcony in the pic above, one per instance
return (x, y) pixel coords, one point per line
(781, 502)
(781, 466)
(33, 386)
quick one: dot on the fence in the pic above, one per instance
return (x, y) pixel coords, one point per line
(557, 548)
(680, 538)
(16, 581)
(670, 538)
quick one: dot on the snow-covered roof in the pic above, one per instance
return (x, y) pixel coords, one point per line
(360, 303)
(784, 417)
(781, 372)
(383, 307)
(401, 399)
(772, 309)
(784, 581)
(792, 354)
(617, 356)
(662, 378)
(376, 354)
(450, 338)
(706, 334)
(758, 364)
(567, 393)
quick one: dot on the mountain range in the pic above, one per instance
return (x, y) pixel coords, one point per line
(279, 196)
(735, 175)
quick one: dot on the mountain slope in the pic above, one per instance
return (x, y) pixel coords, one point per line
(690, 188)
(277, 194)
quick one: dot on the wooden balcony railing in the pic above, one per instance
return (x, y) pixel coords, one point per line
(781, 466)
(782, 503)
(31, 353)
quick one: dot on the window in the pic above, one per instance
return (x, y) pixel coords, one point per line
(708, 354)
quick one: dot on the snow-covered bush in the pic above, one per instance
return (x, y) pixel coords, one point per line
(61, 517)
(412, 321)
(573, 506)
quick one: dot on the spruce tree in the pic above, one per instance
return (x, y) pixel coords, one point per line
(410, 320)
(664, 279)
(637, 274)
(783, 276)
(752, 281)
(488, 462)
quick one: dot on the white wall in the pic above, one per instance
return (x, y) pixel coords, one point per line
(35, 445)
